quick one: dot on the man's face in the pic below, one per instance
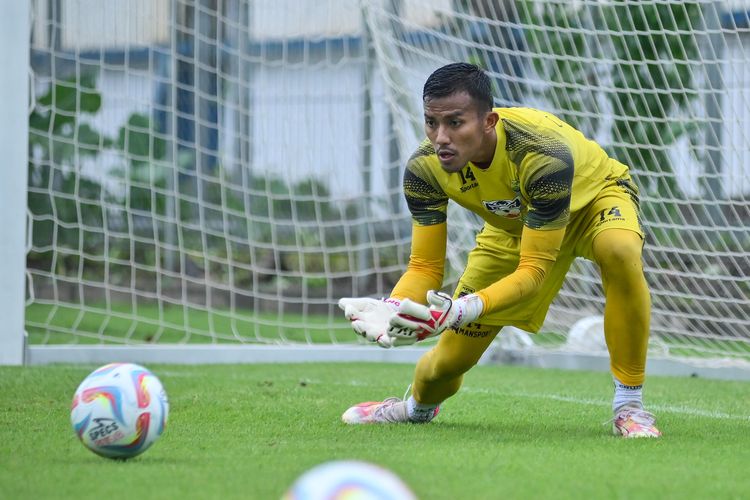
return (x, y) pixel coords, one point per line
(458, 132)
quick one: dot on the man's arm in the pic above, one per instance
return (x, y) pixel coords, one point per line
(426, 263)
(427, 204)
(370, 317)
(539, 251)
(547, 170)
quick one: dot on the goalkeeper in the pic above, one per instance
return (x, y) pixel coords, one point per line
(547, 195)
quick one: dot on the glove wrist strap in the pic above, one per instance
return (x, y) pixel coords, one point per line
(392, 301)
(472, 306)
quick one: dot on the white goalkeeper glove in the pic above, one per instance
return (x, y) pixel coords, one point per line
(419, 322)
(370, 319)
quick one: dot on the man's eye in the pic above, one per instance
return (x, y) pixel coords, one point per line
(456, 123)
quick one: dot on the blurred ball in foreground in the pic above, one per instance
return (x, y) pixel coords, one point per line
(349, 480)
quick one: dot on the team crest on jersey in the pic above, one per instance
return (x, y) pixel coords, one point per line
(510, 209)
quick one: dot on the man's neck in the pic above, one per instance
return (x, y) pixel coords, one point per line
(488, 152)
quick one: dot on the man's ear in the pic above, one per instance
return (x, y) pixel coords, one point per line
(490, 120)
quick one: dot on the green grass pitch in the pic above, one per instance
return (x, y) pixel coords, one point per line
(247, 431)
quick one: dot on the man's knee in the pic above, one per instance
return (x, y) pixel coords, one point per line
(618, 252)
(456, 353)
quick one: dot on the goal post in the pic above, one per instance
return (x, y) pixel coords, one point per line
(14, 86)
(206, 176)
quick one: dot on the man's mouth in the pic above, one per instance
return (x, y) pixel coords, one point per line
(445, 155)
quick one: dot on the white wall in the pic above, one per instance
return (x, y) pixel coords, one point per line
(736, 124)
(307, 122)
(330, 18)
(95, 24)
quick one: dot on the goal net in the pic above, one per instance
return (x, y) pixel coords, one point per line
(207, 172)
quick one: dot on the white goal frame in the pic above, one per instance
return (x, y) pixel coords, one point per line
(14, 81)
(496, 354)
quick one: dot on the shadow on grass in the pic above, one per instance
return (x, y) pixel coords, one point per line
(523, 431)
(144, 459)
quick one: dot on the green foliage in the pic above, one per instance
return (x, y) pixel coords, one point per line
(145, 172)
(650, 87)
(653, 82)
(147, 200)
(560, 60)
(279, 207)
(56, 134)
(138, 139)
(653, 44)
(65, 203)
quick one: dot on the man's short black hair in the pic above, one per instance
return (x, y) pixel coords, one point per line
(460, 77)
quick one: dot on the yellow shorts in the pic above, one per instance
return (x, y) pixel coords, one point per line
(497, 252)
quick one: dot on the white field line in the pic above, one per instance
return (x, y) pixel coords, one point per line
(680, 410)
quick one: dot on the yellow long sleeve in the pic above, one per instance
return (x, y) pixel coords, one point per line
(426, 263)
(538, 253)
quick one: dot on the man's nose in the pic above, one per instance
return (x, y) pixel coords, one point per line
(442, 138)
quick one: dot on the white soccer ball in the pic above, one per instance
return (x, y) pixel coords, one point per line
(587, 336)
(346, 479)
(119, 410)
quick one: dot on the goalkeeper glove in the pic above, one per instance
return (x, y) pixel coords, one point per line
(370, 319)
(416, 321)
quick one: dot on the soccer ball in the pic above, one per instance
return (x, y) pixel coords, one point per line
(344, 479)
(119, 410)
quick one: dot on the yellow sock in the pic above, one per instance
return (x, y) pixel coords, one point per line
(627, 311)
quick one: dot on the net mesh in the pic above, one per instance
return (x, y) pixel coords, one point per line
(224, 171)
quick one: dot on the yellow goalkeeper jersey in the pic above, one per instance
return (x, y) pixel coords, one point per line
(543, 171)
